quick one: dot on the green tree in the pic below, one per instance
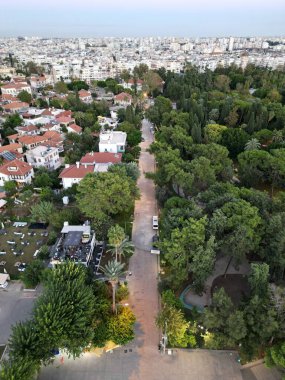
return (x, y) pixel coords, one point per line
(119, 243)
(32, 275)
(121, 326)
(101, 195)
(213, 132)
(203, 174)
(236, 225)
(42, 212)
(70, 215)
(116, 236)
(140, 70)
(125, 75)
(61, 88)
(10, 187)
(202, 264)
(42, 180)
(25, 96)
(254, 166)
(234, 139)
(222, 83)
(216, 316)
(252, 144)
(113, 271)
(196, 133)
(152, 81)
(275, 356)
(258, 279)
(63, 314)
(174, 324)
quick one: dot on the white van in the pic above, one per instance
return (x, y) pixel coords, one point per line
(36, 254)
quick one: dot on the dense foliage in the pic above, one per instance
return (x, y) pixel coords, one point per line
(220, 178)
(72, 313)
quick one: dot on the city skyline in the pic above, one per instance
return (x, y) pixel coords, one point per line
(143, 18)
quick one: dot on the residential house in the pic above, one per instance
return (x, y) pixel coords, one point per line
(94, 162)
(44, 156)
(28, 130)
(15, 147)
(40, 81)
(133, 83)
(15, 107)
(15, 88)
(64, 121)
(123, 99)
(16, 170)
(74, 128)
(85, 96)
(73, 174)
(107, 122)
(50, 138)
(93, 158)
(112, 141)
(76, 243)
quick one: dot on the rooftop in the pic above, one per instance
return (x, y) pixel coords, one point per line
(113, 137)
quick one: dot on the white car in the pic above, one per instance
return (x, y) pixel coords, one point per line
(155, 222)
(4, 286)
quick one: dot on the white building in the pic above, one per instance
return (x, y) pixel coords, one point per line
(44, 156)
(112, 141)
(16, 170)
(15, 88)
(73, 174)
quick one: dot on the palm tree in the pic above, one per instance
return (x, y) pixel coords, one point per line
(116, 235)
(125, 248)
(113, 271)
(252, 144)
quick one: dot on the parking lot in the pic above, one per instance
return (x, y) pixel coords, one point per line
(15, 306)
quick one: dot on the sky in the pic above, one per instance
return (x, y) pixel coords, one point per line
(139, 18)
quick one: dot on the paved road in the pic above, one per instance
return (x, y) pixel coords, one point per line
(15, 306)
(140, 360)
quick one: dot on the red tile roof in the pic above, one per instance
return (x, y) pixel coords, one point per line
(83, 93)
(18, 86)
(46, 112)
(15, 167)
(15, 105)
(11, 147)
(123, 96)
(76, 172)
(64, 119)
(27, 140)
(101, 158)
(9, 97)
(13, 137)
(76, 128)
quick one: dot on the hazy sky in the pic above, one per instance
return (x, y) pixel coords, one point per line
(94, 18)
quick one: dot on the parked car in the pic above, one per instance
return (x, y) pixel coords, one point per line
(4, 285)
(22, 267)
(154, 250)
(155, 222)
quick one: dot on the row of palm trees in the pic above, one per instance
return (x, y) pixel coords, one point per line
(119, 245)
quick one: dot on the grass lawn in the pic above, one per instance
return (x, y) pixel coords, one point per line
(24, 247)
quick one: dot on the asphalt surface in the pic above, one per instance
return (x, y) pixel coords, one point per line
(15, 306)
